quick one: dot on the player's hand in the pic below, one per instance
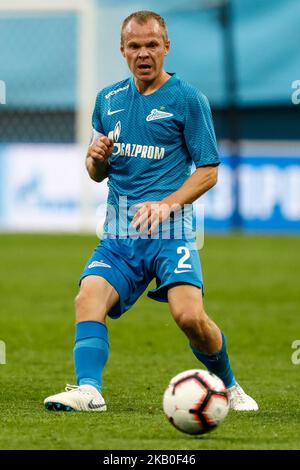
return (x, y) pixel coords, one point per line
(101, 149)
(149, 215)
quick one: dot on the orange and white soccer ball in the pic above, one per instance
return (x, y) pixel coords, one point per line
(196, 401)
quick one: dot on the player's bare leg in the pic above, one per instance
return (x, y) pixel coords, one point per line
(207, 342)
(186, 305)
(95, 299)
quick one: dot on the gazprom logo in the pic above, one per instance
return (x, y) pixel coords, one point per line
(114, 136)
(134, 150)
(117, 131)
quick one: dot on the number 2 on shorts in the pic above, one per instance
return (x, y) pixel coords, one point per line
(181, 263)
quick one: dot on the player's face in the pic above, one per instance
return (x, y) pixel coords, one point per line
(144, 48)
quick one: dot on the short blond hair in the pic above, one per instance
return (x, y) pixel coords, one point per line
(143, 17)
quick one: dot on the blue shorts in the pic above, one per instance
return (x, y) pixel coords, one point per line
(129, 265)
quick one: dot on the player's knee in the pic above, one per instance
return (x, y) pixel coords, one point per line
(87, 308)
(187, 319)
(192, 321)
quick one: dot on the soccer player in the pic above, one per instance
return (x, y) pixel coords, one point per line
(147, 132)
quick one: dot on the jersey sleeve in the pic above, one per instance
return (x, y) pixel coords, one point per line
(96, 118)
(199, 131)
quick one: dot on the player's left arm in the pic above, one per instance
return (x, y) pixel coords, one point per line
(201, 143)
(203, 179)
(152, 213)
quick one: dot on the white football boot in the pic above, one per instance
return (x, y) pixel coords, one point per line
(76, 398)
(239, 400)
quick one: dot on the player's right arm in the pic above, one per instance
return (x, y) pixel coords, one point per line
(97, 158)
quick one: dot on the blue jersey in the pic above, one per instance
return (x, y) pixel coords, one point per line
(156, 138)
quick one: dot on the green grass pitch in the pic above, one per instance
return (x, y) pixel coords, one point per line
(252, 292)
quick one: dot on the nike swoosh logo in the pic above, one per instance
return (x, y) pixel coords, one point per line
(110, 113)
(93, 406)
(177, 271)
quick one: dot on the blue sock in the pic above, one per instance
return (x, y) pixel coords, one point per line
(90, 352)
(217, 363)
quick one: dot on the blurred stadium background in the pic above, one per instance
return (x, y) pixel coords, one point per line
(55, 55)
